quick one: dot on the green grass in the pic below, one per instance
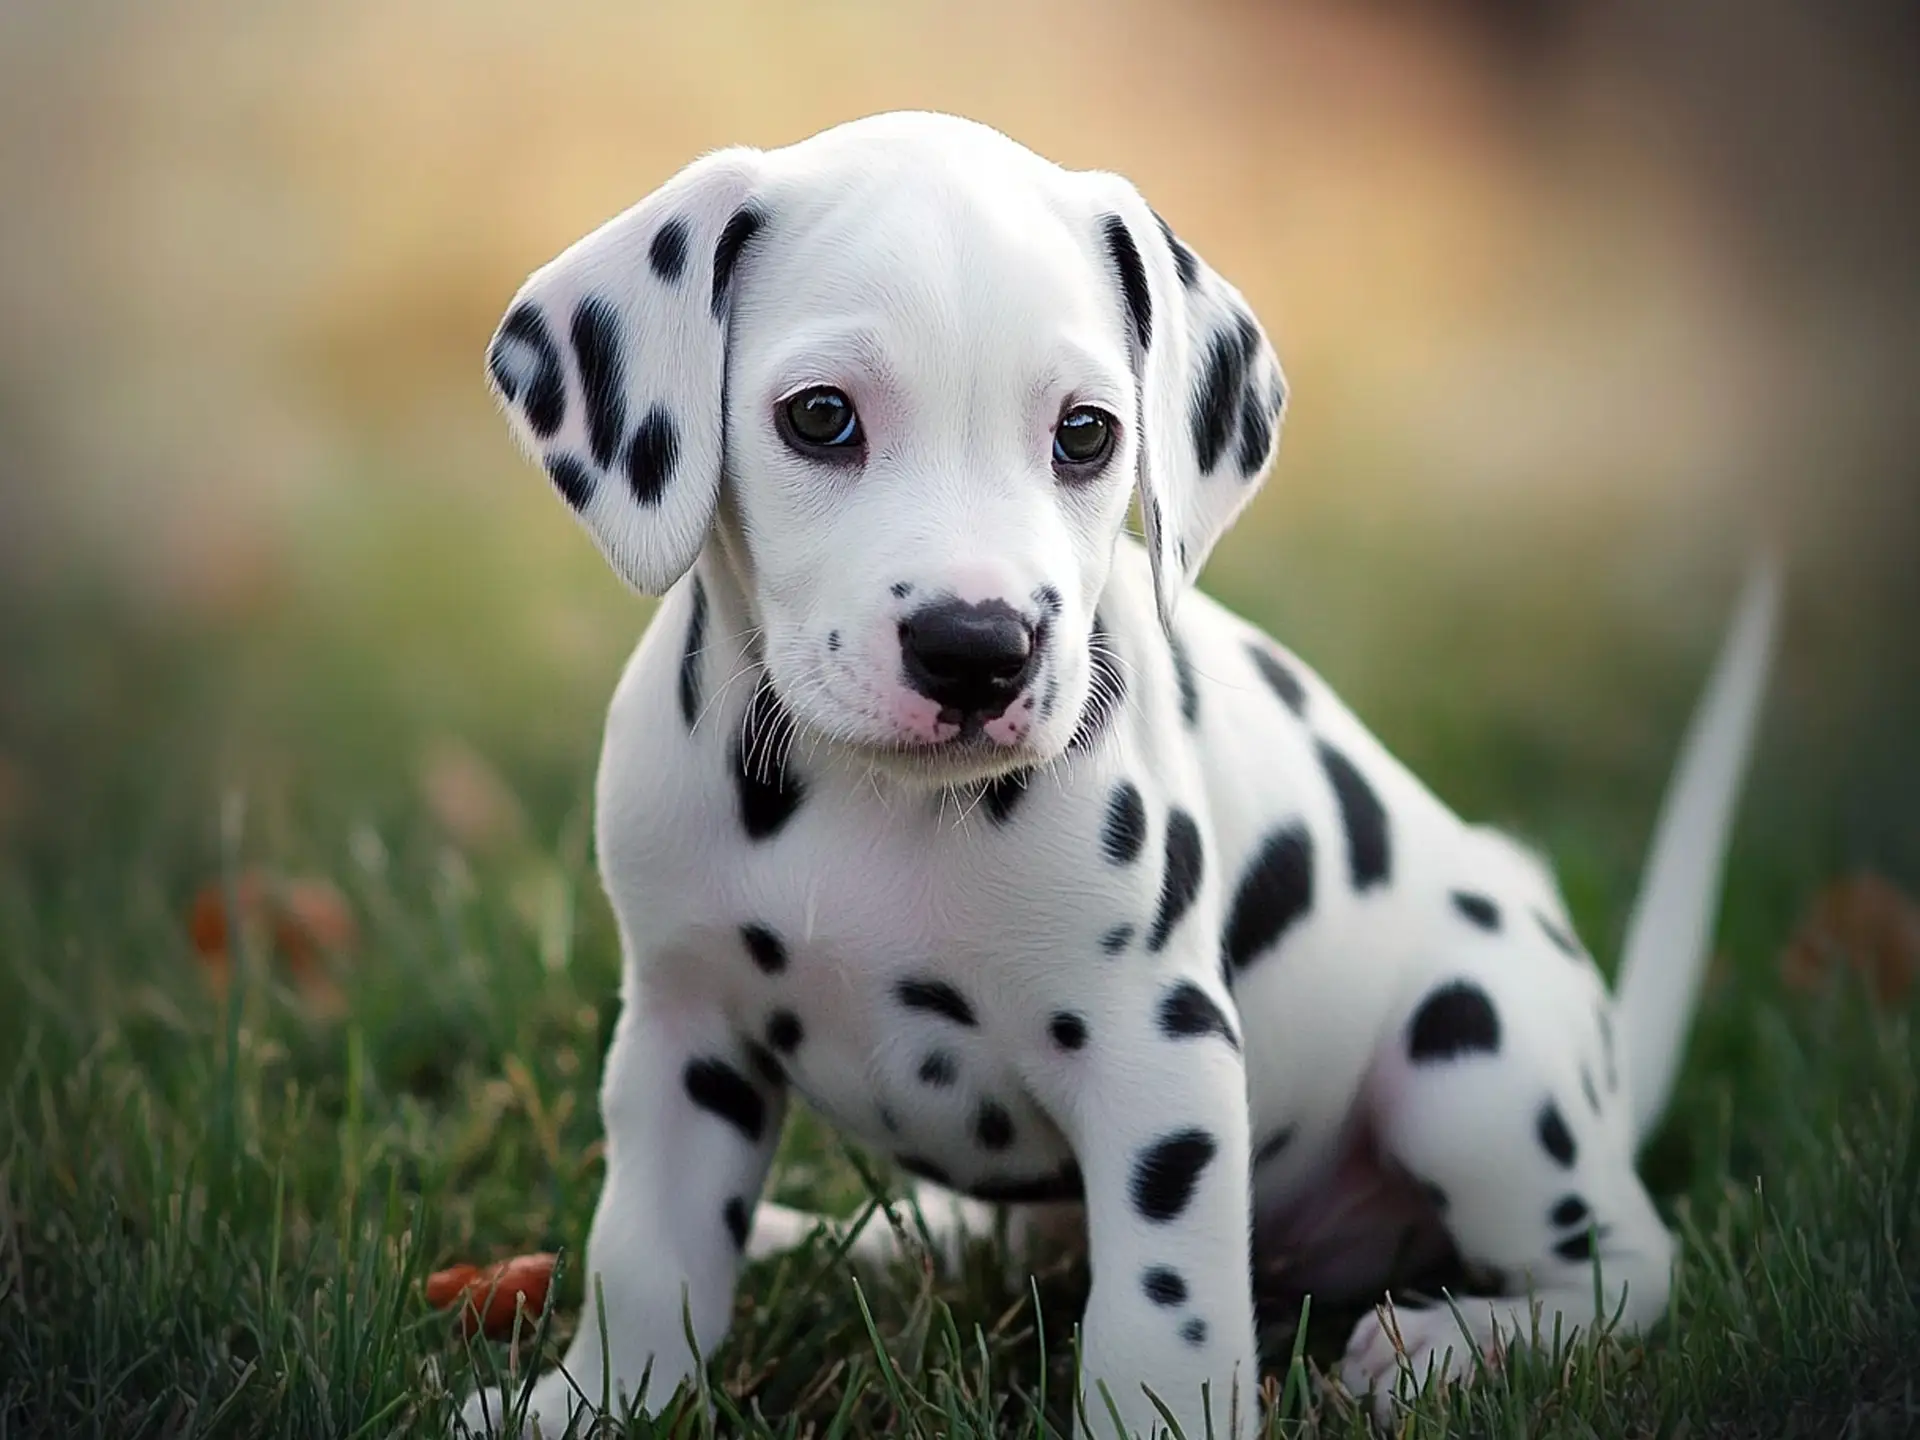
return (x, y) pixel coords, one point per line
(214, 1220)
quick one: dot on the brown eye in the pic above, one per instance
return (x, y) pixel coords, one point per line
(1083, 439)
(821, 418)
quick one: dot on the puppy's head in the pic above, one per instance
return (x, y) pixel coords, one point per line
(905, 375)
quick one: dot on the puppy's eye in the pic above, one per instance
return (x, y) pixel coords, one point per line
(821, 418)
(1083, 439)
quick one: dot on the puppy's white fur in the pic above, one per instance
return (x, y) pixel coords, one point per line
(1169, 930)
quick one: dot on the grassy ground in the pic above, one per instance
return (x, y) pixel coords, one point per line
(214, 1219)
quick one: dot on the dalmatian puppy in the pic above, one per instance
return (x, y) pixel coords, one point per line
(933, 798)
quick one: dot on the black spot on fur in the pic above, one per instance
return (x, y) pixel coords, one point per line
(668, 251)
(719, 1089)
(765, 947)
(1117, 939)
(1562, 941)
(770, 791)
(833, 641)
(651, 456)
(1369, 849)
(596, 349)
(1068, 1030)
(734, 1213)
(1004, 792)
(1106, 687)
(1133, 277)
(1183, 258)
(1194, 1332)
(1456, 1020)
(690, 655)
(1279, 677)
(1575, 1247)
(993, 1126)
(935, 997)
(1570, 1210)
(1276, 892)
(764, 1061)
(1477, 908)
(784, 1031)
(1064, 1185)
(1187, 1011)
(572, 479)
(1047, 597)
(1273, 1146)
(1166, 1173)
(1125, 832)
(733, 239)
(1180, 882)
(901, 589)
(1256, 431)
(924, 1168)
(938, 1070)
(1164, 1286)
(1183, 678)
(1216, 399)
(543, 397)
(1555, 1138)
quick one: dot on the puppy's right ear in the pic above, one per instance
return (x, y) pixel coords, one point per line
(611, 365)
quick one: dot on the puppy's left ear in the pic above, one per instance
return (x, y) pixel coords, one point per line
(1212, 394)
(611, 364)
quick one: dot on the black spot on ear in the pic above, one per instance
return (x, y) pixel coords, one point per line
(690, 656)
(1126, 829)
(1164, 1286)
(769, 789)
(1106, 687)
(1133, 277)
(765, 948)
(572, 479)
(1003, 792)
(1216, 397)
(1562, 941)
(1167, 1171)
(1183, 258)
(720, 1090)
(784, 1031)
(1273, 1147)
(1369, 850)
(935, 997)
(652, 455)
(739, 229)
(1068, 1030)
(734, 1213)
(1570, 1210)
(1455, 1020)
(1183, 678)
(1256, 431)
(1117, 939)
(1555, 1138)
(1478, 909)
(1180, 882)
(668, 252)
(938, 1070)
(596, 349)
(1194, 1332)
(1279, 677)
(1187, 1011)
(1276, 892)
(992, 1126)
(541, 395)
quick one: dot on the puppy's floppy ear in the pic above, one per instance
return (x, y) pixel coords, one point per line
(1212, 394)
(611, 364)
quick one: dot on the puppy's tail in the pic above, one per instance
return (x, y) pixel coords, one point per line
(1670, 932)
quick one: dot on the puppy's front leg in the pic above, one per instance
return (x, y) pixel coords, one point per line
(691, 1129)
(1157, 1114)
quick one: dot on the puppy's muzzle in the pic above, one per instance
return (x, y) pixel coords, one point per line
(970, 660)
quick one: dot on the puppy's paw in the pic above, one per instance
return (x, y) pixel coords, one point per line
(1393, 1351)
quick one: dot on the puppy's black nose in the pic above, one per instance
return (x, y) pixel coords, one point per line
(970, 658)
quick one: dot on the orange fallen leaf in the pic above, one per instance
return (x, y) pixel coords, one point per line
(489, 1295)
(1864, 923)
(467, 796)
(301, 921)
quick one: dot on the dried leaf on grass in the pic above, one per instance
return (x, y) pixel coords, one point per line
(1864, 923)
(305, 923)
(489, 1295)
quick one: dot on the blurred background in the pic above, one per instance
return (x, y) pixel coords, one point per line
(1578, 303)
